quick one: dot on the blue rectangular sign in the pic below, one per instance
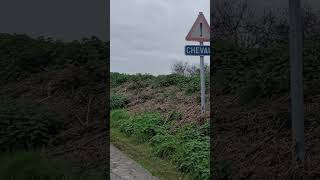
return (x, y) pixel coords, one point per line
(196, 50)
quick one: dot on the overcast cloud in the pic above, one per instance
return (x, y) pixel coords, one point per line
(61, 19)
(149, 36)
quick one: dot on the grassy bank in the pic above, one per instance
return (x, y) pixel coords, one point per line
(150, 140)
(142, 153)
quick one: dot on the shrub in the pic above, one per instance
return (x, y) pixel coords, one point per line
(189, 84)
(164, 145)
(22, 56)
(193, 156)
(250, 73)
(139, 80)
(25, 125)
(192, 85)
(117, 79)
(174, 116)
(143, 126)
(253, 73)
(188, 147)
(188, 132)
(118, 101)
(118, 116)
(205, 129)
(193, 150)
(165, 80)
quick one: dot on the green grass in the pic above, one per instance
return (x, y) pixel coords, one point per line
(30, 165)
(187, 148)
(142, 153)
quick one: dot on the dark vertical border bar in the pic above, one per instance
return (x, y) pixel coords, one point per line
(212, 71)
(107, 109)
(107, 106)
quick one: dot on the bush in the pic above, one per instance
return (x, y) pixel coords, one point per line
(164, 145)
(193, 151)
(193, 157)
(188, 147)
(139, 80)
(118, 101)
(117, 116)
(143, 126)
(174, 116)
(117, 79)
(189, 84)
(188, 132)
(250, 73)
(259, 72)
(22, 56)
(205, 129)
(25, 125)
(167, 80)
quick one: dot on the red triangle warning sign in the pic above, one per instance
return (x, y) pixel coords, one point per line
(200, 30)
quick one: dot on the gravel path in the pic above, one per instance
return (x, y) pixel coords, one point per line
(124, 168)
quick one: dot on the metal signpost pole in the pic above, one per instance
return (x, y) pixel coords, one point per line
(296, 40)
(200, 32)
(202, 84)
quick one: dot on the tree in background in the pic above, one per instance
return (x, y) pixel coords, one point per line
(179, 67)
(235, 21)
(186, 69)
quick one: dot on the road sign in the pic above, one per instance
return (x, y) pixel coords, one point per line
(193, 50)
(200, 30)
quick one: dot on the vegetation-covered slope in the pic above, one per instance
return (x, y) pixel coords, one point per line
(251, 107)
(51, 98)
(164, 113)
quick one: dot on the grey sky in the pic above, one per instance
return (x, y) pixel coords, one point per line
(62, 19)
(149, 36)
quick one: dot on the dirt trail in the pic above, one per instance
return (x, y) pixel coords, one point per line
(124, 168)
